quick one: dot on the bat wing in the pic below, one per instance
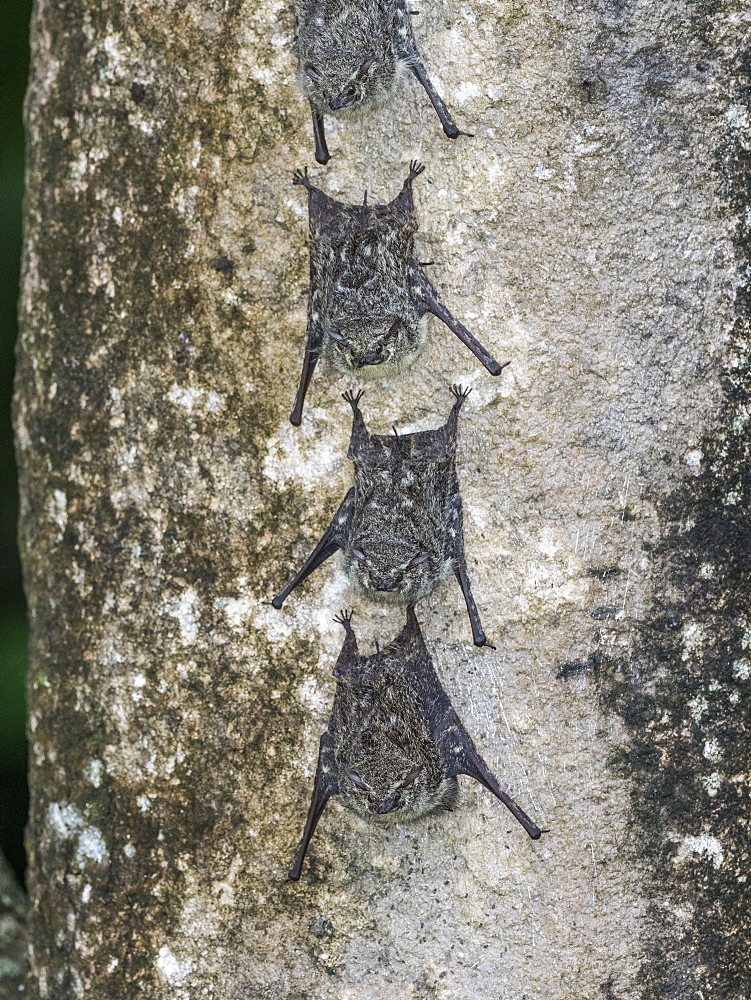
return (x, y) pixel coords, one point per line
(427, 300)
(333, 538)
(454, 743)
(326, 785)
(314, 343)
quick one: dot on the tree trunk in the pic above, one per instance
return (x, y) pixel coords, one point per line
(13, 944)
(594, 233)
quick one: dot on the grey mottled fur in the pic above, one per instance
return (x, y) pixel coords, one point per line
(400, 526)
(370, 299)
(394, 745)
(353, 55)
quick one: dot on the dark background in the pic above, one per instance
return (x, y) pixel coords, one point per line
(14, 30)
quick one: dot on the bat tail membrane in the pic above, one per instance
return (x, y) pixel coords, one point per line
(326, 785)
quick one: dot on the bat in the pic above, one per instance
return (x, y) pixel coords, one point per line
(353, 55)
(370, 300)
(394, 745)
(400, 527)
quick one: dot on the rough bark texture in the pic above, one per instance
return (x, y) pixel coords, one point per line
(593, 232)
(13, 943)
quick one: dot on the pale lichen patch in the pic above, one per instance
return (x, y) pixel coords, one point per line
(171, 968)
(692, 848)
(185, 610)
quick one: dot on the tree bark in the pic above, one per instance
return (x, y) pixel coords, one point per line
(594, 233)
(13, 943)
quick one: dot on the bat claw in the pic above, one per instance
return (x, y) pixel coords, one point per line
(460, 392)
(344, 617)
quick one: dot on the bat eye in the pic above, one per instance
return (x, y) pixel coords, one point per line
(351, 91)
(357, 780)
(418, 560)
(312, 72)
(379, 349)
(399, 578)
(412, 776)
(359, 555)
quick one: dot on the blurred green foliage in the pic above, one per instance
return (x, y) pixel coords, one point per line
(14, 29)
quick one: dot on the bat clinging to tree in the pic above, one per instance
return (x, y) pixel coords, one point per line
(401, 526)
(353, 55)
(370, 299)
(394, 745)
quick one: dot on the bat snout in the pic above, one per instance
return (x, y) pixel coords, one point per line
(389, 804)
(371, 358)
(346, 99)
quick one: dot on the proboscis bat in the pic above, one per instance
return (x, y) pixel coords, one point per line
(394, 745)
(353, 55)
(400, 526)
(370, 299)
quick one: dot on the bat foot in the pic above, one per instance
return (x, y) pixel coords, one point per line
(301, 177)
(415, 169)
(461, 394)
(353, 398)
(344, 618)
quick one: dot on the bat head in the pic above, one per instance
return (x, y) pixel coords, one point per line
(389, 783)
(340, 82)
(374, 346)
(392, 570)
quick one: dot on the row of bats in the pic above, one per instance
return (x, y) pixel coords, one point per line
(394, 745)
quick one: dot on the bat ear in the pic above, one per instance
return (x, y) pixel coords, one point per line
(313, 73)
(365, 67)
